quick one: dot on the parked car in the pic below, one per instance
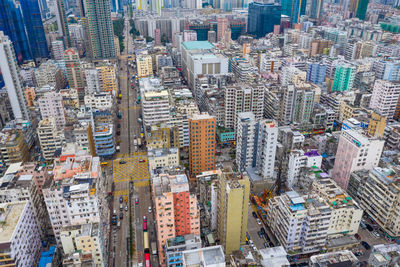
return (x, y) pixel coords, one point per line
(149, 209)
(365, 245)
(254, 214)
(357, 236)
(376, 234)
(262, 230)
(137, 201)
(265, 244)
(258, 221)
(362, 224)
(369, 227)
(260, 234)
(121, 199)
(126, 208)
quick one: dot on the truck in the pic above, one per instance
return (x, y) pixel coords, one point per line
(119, 115)
(154, 248)
(139, 140)
(135, 142)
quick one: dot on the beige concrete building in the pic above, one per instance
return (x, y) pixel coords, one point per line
(108, 78)
(49, 138)
(163, 158)
(233, 205)
(144, 65)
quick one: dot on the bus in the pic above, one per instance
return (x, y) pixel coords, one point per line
(146, 245)
(104, 163)
(147, 260)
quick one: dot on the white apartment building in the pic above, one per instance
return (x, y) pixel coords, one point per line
(81, 134)
(355, 151)
(49, 73)
(346, 213)
(243, 98)
(298, 159)
(84, 238)
(155, 102)
(163, 158)
(385, 96)
(99, 101)
(378, 193)
(300, 223)
(92, 81)
(12, 79)
(293, 75)
(50, 138)
(51, 106)
(57, 49)
(20, 243)
(245, 135)
(267, 142)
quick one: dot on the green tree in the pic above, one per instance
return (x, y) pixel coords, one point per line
(149, 39)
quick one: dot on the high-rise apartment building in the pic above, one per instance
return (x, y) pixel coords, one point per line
(355, 151)
(13, 146)
(245, 137)
(294, 9)
(358, 8)
(316, 73)
(49, 73)
(74, 71)
(57, 50)
(222, 25)
(20, 243)
(202, 128)
(233, 204)
(155, 102)
(108, 78)
(264, 16)
(316, 9)
(12, 79)
(243, 98)
(387, 69)
(62, 22)
(50, 139)
(344, 77)
(176, 211)
(385, 97)
(266, 143)
(100, 30)
(378, 192)
(51, 106)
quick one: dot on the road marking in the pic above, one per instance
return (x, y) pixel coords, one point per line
(121, 192)
(142, 184)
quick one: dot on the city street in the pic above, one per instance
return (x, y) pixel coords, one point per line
(130, 174)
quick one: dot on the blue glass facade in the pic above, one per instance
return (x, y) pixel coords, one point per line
(22, 23)
(263, 18)
(34, 28)
(12, 24)
(316, 73)
(116, 6)
(294, 9)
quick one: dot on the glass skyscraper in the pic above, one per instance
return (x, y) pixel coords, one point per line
(263, 17)
(34, 28)
(12, 24)
(22, 23)
(294, 9)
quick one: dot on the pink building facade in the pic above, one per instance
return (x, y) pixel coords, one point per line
(355, 152)
(40, 174)
(176, 211)
(157, 37)
(222, 25)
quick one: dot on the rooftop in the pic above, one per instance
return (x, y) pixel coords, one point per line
(197, 45)
(10, 213)
(204, 256)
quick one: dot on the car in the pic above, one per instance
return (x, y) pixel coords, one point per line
(358, 253)
(121, 199)
(369, 227)
(142, 160)
(258, 221)
(118, 132)
(265, 244)
(365, 245)
(122, 162)
(376, 234)
(115, 212)
(270, 244)
(126, 208)
(357, 236)
(262, 230)
(136, 201)
(149, 209)
(121, 216)
(260, 234)
(144, 219)
(362, 224)
(254, 214)
(121, 207)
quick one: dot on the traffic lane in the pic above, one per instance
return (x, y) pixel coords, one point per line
(253, 228)
(368, 237)
(120, 244)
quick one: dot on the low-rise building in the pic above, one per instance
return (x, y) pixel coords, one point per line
(384, 255)
(176, 246)
(99, 101)
(345, 257)
(208, 256)
(160, 158)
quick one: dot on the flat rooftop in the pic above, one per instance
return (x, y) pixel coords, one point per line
(198, 45)
(10, 213)
(204, 256)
